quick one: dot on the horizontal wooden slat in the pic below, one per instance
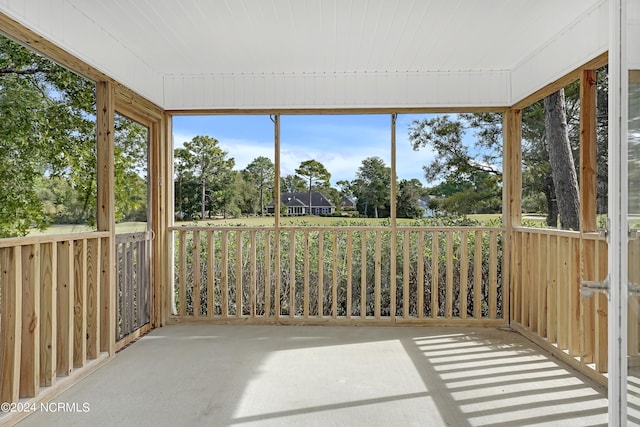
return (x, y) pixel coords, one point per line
(53, 238)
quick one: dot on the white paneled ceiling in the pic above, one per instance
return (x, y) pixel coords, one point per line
(290, 53)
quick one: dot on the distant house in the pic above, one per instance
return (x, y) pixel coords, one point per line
(347, 203)
(298, 204)
(424, 205)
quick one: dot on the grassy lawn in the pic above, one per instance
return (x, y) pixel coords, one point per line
(131, 227)
(315, 220)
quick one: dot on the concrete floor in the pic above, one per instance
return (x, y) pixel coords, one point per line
(203, 375)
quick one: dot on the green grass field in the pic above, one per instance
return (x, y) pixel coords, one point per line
(317, 220)
(131, 227)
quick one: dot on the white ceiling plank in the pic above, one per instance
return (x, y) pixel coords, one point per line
(345, 47)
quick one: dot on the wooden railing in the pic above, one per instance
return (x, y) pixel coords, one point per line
(133, 282)
(339, 275)
(548, 267)
(51, 305)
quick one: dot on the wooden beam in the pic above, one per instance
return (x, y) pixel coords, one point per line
(41, 45)
(11, 319)
(134, 106)
(106, 212)
(335, 111)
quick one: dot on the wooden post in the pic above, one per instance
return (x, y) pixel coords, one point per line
(30, 360)
(93, 298)
(449, 279)
(65, 308)
(276, 214)
(363, 274)
(11, 319)
(211, 273)
(320, 273)
(48, 313)
(163, 242)
(106, 210)
(420, 287)
(464, 273)
(349, 272)
(511, 198)
(80, 303)
(394, 236)
(239, 284)
(196, 274)
(588, 214)
(435, 275)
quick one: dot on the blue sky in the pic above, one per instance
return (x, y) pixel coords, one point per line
(339, 142)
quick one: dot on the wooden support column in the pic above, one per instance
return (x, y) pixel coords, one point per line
(588, 215)
(105, 99)
(163, 243)
(511, 199)
(394, 236)
(161, 217)
(276, 214)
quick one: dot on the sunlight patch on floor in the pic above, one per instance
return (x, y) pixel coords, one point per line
(375, 376)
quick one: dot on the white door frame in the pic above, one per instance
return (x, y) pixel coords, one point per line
(618, 223)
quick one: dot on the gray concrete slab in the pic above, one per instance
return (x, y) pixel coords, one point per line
(206, 375)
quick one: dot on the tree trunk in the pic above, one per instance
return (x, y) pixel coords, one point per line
(202, 201)
(552, 206)
(562, 166)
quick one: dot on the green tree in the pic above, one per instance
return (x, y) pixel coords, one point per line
(47, 122)
(409, 192)
(453, 157)
(204, 178)
(260, 172)
(345, 188)
(316, 173)
(130, 156)
(292, 184)
(48, 147)
(247, 195)
(372, 187)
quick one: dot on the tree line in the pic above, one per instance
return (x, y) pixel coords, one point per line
(206, 185)
(48, 160)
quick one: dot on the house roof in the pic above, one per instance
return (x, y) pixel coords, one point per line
(280, 54)
(302, 199)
